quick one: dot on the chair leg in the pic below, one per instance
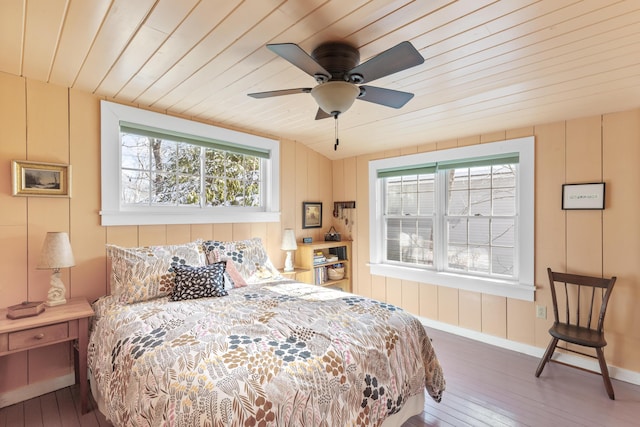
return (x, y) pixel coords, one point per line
(547, 355)
(605, 373)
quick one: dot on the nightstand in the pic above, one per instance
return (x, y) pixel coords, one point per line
(292, 274)
(67, 322)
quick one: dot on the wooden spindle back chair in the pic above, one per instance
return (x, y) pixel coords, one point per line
(582, 298)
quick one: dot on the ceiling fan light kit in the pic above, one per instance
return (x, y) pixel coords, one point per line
(335, 97)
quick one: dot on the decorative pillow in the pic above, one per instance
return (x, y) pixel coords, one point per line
(143, 273)
(234, 276)
(228, 281)
(248, 256)
(198, 282)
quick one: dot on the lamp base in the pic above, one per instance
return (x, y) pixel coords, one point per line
(52, 303)
(288, 264)
(56, 294)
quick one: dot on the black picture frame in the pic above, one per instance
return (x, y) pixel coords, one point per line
(583, 196)
(311, 214)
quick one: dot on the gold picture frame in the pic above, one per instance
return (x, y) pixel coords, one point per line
(41, 179)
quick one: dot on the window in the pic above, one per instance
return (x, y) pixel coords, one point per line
(409, 198)
(460, 218)
(159, 169)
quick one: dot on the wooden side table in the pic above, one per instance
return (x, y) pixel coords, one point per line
(292, 274)
(67, 322)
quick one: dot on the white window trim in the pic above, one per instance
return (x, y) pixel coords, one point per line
(524, 288)
(113, 213)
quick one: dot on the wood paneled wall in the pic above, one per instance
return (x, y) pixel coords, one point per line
(44, 122)
(592, 149)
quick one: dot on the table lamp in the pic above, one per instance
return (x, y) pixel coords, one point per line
(56, 254)
(288, 244)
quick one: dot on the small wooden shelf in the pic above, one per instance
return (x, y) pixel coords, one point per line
(313, 273)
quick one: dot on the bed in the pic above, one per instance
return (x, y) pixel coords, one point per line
(256, 349)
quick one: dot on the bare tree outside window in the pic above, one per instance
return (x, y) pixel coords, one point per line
(161, 172)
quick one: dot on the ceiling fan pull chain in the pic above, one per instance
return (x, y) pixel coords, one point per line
(335, 146)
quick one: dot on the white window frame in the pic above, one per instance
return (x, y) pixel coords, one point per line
(524, 287)
(114, 213)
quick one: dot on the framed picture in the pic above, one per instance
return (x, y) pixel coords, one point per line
(583, 196)
(41, 179)
(311, 214)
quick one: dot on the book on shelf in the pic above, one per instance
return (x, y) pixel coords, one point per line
(339, 251)
(320, 275)
(317, 259)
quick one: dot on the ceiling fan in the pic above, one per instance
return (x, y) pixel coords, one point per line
(340, 76)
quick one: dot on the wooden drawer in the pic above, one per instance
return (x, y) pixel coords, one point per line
(38, 336)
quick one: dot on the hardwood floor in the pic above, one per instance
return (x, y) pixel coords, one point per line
(490, 386)
(56, 409)
(486, 386)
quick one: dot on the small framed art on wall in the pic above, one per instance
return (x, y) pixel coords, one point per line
(41, 179)
(311, 214)
(583, 196)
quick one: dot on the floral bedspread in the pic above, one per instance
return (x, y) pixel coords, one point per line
(276, 354)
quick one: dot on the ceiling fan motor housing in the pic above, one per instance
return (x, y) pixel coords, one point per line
(337, 58)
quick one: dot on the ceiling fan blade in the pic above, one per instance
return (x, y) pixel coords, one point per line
(321, 114)
(398, 58)
(298, 57)
(279, 92)
(387, 97)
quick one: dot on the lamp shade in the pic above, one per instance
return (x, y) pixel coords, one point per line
(289, 240)
(335, 97)
(56, 251)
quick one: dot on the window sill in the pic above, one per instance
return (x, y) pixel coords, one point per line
(504, 288)
(185, 217)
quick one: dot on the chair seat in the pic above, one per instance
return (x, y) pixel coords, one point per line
(578, 335)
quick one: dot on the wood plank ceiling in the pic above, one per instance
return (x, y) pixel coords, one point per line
(489, 65)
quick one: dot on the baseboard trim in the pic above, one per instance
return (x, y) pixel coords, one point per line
(37, 389)
(621, 374)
